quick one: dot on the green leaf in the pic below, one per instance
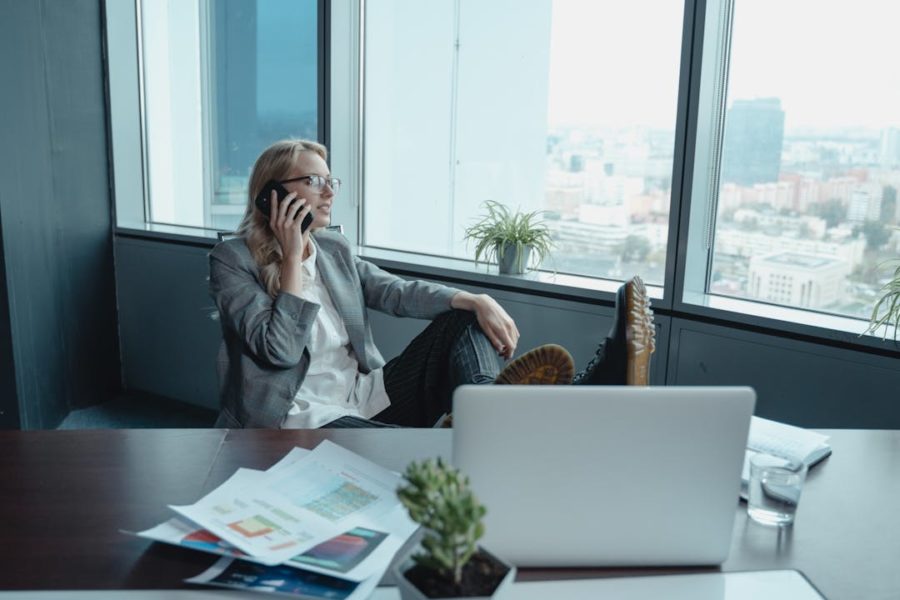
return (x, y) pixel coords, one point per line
(438, 497)
(500, 227)
(886, 311)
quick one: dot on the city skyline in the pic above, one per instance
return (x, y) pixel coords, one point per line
(811, 234)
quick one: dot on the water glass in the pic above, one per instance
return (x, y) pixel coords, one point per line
(775, 486)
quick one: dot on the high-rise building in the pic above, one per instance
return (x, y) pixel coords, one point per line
(890, 148)
(888, 214)
(865, 203)
(754, 135)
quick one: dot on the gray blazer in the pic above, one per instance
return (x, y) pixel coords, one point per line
(263, 357)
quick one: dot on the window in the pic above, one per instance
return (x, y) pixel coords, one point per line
(564, 106)
(222, 80)
(805, 206)
(785, 156)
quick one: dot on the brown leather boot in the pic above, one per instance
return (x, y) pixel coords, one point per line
(549, 364)
(623, 358)
(640, 334)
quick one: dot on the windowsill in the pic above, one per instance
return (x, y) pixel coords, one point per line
(174, 233)
(547, 283)
(557, 285)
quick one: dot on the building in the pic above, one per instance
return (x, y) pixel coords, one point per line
(746, 244)
(865, 204)
(889, 156)
(754, 135)
(798, 280)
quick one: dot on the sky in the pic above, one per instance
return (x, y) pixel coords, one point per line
(833, 64)
(614, 63)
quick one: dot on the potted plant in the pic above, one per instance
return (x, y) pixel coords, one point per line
(509, 238)
(886, 311)
(448, 562)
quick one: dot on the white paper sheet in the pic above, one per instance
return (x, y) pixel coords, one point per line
(299, 504)
(355, 555)
(785, 440)
(288, 459)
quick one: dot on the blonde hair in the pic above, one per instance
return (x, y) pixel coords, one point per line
(276, 163)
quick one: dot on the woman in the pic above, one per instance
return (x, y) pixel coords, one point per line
(298, 351)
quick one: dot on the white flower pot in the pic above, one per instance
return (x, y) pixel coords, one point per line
(408, 591)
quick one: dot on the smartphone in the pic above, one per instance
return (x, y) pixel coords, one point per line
(263, 201)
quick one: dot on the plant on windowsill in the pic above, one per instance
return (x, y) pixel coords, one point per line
(449, 564)
(510, 238)
(886, 312)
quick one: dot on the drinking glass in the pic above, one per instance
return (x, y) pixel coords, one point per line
(775, 486)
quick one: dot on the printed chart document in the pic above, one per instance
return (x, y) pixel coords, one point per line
(280, 579)
(354, 555)
(287, 460)
(324, 523)
(298, 504)
(780, 439)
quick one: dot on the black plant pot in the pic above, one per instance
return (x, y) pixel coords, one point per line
(411, 578)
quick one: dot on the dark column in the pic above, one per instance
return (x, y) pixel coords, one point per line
(58, 309)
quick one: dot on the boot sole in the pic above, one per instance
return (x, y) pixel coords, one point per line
(549, 364)
(640, 333)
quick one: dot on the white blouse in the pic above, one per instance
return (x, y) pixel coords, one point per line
(333, 386)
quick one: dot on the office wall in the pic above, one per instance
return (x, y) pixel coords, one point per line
(55, 212)
(797, 382)
(169, 346)
(169, 339)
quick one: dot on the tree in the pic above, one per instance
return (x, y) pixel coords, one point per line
(635, 248)
(877, 235)
(888, 204)
(832, 210)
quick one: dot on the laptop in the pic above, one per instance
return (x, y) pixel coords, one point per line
(604, 475)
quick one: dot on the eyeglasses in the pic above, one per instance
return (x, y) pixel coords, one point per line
(317, 182)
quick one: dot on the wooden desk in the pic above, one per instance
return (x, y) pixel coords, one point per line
(65, 494)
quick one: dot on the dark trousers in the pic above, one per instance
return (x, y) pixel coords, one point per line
(450, 352)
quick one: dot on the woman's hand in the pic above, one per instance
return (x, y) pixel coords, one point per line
(285, 219)
(496, 324)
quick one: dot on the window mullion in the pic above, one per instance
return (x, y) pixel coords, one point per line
(723, 55)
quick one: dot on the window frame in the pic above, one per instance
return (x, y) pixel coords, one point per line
(346, 154)
(127, 123)
(713, 21)
(341, 103)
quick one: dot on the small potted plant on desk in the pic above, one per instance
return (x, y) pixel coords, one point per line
(449, 563)
(510, 238)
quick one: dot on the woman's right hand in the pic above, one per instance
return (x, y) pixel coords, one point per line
(285, 219)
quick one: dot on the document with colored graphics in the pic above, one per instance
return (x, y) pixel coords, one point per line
(298, 504)
(354, 555)
(280, 579)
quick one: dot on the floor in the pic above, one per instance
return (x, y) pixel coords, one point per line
(139, 411)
